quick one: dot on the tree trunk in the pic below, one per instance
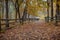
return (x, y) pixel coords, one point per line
(17, 10)
(24, 15)
(7, 21)
(51, 10)
(57, 13)
(0, 24)
(0, 18)
(48, 11)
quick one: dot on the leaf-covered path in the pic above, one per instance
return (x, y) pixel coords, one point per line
(32, 31)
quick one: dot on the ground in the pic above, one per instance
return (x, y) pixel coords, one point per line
(32, 31)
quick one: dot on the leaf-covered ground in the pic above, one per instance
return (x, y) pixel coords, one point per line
(32, 31)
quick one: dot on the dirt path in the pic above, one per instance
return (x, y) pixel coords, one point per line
(32, 31)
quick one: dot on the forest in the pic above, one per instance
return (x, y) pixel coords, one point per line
(30, 16)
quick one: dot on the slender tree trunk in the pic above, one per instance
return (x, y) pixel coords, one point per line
(7, 21)
(17, 9)
(18, 12)
(0, 18)
(57, 13)
(48, 11)
(51, 10)
(0, 24)
(24, 15)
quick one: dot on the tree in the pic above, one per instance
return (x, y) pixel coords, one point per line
(0, 21)
(17, 6)
(57, 12)
(33, 8)
(7, 21)
(51, 10)
(48, 10)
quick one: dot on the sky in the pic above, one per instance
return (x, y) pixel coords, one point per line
(44, 0)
